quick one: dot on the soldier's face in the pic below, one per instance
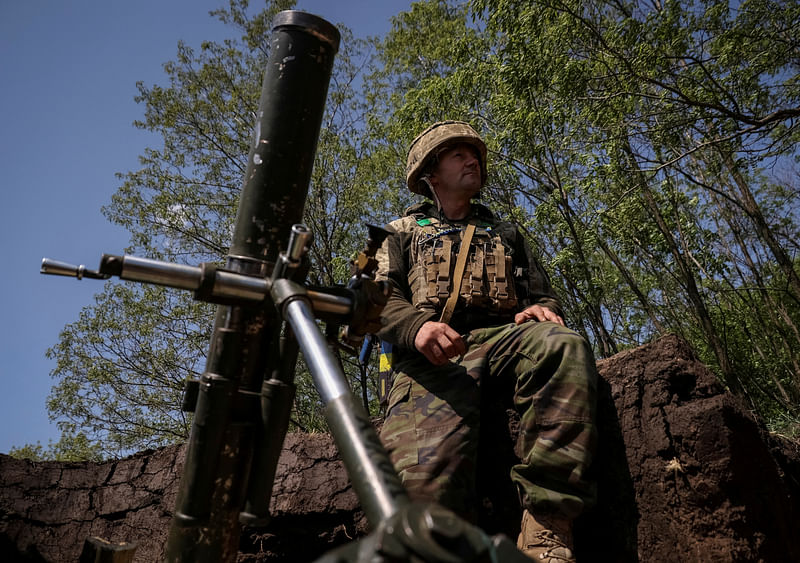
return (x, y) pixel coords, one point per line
(458, 172)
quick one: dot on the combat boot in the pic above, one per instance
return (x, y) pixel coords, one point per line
(546, 538)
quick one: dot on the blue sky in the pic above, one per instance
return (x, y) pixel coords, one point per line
(69, 71)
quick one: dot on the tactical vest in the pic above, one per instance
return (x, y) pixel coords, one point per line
(487, 283)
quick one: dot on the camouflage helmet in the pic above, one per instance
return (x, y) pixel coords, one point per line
(428, 144)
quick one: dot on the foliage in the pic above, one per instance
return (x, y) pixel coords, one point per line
(70, 447)
(658, 123)
(121, 367)
(648, 151)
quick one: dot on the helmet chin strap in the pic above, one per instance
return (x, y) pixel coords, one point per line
(433, 192)
(436, 200)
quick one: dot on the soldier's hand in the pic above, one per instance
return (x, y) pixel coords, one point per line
(439, 342)
(537, 313)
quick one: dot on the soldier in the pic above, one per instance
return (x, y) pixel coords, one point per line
(470, 302)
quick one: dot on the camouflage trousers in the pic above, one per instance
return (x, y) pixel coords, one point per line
(434, 414)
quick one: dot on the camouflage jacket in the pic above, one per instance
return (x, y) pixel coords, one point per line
(407, 311)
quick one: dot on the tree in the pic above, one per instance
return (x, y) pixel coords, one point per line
(620, 132)
(121, 367)
(662, 103)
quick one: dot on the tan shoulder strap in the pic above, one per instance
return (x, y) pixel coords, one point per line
(458, 274)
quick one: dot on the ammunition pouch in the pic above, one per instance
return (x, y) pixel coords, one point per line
(487, 283)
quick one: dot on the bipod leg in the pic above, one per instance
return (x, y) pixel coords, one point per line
(371, 471)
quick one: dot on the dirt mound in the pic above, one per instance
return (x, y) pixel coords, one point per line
(684, 472)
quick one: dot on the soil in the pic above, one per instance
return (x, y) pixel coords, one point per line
(684, 473)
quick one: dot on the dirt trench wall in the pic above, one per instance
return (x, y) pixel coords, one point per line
(684, 473)
(48, 509)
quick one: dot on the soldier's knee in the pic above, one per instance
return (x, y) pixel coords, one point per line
(555, 344)
(555, 338)
(573, 342)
